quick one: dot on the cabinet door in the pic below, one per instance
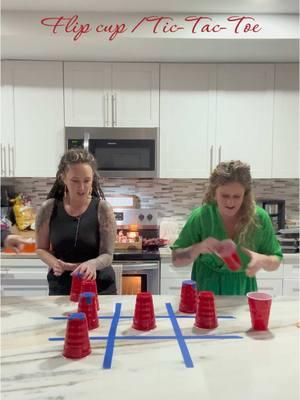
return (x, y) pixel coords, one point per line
(187, 114)
(135, 95)
(38, 117)
(7, 120)
(286, 122)
(244, 115)
(88, 99)
(270, 286)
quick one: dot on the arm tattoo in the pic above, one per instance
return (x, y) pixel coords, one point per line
(107, 228)
(44, 214)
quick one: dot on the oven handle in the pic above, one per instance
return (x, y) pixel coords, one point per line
(137, 266)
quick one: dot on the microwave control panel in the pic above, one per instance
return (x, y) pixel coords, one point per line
(75, 143)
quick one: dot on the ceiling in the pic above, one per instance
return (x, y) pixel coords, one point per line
(161, 6)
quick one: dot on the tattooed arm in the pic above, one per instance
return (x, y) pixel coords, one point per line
(183, 257)
(42, 237)
(107, 228)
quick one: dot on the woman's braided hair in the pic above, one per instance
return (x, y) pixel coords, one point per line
(229, 172)
(73, 157)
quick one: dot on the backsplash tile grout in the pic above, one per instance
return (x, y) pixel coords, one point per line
(171, 197)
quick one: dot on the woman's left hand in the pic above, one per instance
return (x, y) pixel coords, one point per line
(87, 270)
(257, 261)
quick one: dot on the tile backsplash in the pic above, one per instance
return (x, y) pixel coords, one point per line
(171, 197)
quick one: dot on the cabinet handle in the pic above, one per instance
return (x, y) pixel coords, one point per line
(86, 140)
(106, 109)
(219, 152)
(4, 160)
(13, 160)
(114, 110)
(10, 160)
(211, 158)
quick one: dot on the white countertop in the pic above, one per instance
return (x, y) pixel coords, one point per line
(259, 365)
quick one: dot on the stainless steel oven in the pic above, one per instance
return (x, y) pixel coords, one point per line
(140, 276)
(119, 152)
(140, 264)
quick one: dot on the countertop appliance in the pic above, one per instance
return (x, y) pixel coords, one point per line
(141, 267)
(119, 152)
(276, 209)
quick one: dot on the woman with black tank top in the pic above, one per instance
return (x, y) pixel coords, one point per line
(75, 227)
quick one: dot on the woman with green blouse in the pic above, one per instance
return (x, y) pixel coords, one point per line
(228, 212)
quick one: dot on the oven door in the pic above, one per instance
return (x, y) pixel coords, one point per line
(140, 276)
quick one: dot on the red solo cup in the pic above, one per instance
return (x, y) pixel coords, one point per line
(260, 306)
(77, 342)
(188, 297)
(87, 305)
(206, 316)
(75, 287)
(90, 286)
(227, 251)
(144, 318)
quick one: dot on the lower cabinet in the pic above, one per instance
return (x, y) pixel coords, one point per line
(282, 282)
(291, 287)
(23, 277)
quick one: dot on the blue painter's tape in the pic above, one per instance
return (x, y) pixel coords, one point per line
(111, 338)
(212, 337)
(180, 339)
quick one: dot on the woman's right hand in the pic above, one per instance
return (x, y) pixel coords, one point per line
(209, 245)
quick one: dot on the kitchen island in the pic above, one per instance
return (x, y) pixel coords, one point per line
(230, 362)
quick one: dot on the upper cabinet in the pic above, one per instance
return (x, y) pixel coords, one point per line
(111, 95)
(211, 113)
(33, 120)
(187, 105)
(286, 122)
(244, 115)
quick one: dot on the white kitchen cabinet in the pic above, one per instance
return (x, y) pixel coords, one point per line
(270, 286)
(7, 121)
(286, 122)
(291, 287)
(33, 119)
(23, 277)
(187, 105)
(172, 277)
(111, 95)
(211, 113)
(244, 115)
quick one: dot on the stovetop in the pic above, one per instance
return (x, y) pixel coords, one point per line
(136, 255)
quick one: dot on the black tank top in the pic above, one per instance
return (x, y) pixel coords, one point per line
(75, 239)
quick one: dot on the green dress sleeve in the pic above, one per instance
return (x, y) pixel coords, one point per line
(268, 243)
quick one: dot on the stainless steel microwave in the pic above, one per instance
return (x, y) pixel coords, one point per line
(119, 152)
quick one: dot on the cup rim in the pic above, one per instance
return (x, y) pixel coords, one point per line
(260, 296)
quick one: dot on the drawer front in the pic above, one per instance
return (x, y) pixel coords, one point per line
(262, 274)
(169, 271)
(291, 287)
(24, 291)
(292, 270)
(171, 286)
(270, 286)
(22, 262)
(26, 274)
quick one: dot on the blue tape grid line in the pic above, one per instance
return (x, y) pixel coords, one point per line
(111, 338)
(153, 337)
(156, 317)
(180, 339)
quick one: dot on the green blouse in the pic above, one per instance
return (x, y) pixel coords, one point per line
(209, 271)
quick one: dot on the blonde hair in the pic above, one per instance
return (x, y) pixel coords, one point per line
(229, 172)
